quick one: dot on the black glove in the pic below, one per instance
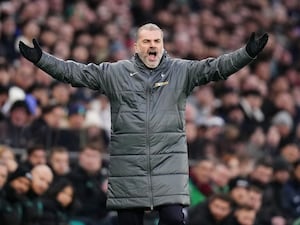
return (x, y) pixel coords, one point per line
(32, 54)
(255, 46)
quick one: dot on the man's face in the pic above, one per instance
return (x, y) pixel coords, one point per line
(255, 199)
(221, 175)
(90, 160)
(203, 171)
(60, 162)
(19, 117)
(41, 180)
(263, 174)
(37, 157)
(240, 195)
(149, 46)
(219, 209)
(245, 217)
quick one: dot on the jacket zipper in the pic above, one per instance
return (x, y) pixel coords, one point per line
(148, 95)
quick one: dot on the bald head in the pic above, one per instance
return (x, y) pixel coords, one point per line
(42, 177)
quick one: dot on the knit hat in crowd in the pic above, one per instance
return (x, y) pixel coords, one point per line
(280, 164)
(238, 182)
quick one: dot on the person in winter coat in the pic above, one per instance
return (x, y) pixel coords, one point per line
(290, 195)
(32, 206)
(148, 152)
(16, 189)
(59, 203)
(5, 206)
(90, 184)
(213, 211)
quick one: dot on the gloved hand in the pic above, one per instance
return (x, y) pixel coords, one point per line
(255, 46)
(32, 54)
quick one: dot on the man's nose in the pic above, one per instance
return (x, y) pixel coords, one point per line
(152, 44)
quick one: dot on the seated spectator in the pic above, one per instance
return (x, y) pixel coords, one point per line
(32, 206)
(76, 116)
(290, 152)
(220, 178)
(238, 191)
(90, 187)
(59, 203)
(44, 130)
(291, 194)
(59, 162)
(243, 215)
(200, 181)
(9, 215)
(12, 130)
(282, 174)
(3, 177)
(213, 211)
(36, 155)
(7, 156)
(16, 189)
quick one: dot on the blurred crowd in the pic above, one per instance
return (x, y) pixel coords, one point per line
(243, 134)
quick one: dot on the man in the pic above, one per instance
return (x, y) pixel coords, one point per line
(90, 182)
(44, 129)
(238, 191)
(148, 163)
(41, 179)
(59, 162)
(12, 130)
(214, 211)
(243, 215)
(220, 178)
(36, 155)
(200, 185)
(16, 189)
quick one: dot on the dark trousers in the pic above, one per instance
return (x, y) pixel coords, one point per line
(168, 215)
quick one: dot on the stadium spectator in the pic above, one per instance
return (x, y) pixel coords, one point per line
(239, 191)
(90, 187)
(243, 215)
(220, 178)
(44, 130)
(36, 155)
(16, 189)
(200, 180)
(12, 130)
(213, 211)
(59, 204)
(290, 194)
(59, 162)
(7, 156)
(32, 206)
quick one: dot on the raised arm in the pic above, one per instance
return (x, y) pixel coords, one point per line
(214, 69)
(77, 74)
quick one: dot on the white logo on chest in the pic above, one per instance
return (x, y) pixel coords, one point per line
(132, 74)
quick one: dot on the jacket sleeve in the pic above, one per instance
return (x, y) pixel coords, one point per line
(214, 69)
(77, 74)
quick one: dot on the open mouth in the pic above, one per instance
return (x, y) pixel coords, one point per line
(152, 55)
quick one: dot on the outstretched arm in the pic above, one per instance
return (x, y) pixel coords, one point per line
(77, 74)
(214, 69)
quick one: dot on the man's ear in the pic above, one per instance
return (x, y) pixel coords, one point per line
(135, 47)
